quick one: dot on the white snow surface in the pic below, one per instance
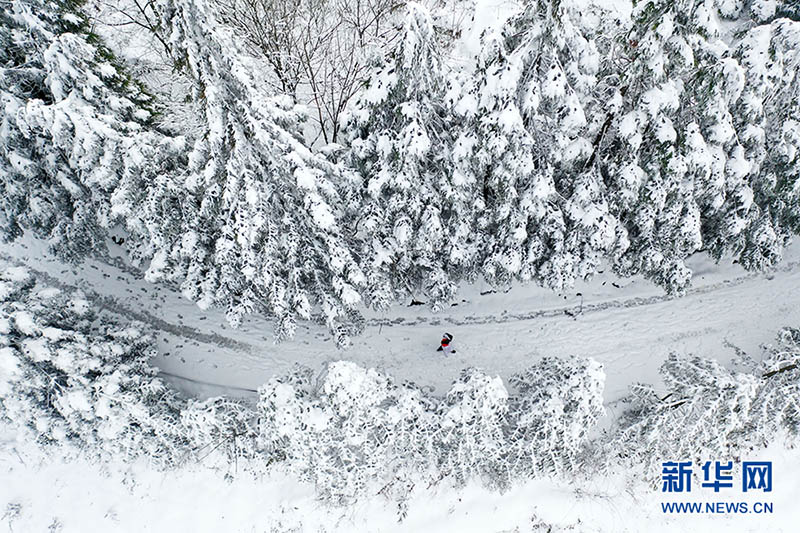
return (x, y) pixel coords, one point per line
(71, 495)
(628, 325)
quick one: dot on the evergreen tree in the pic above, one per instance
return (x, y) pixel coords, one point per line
(259, 212)
(666, 149)
(514, 195)
(556, 50)
(413, 211)
(72, 122)
(767, 118)
(71, 377)
(530, 110)
(684, 153)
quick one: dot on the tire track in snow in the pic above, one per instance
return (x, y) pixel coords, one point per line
(206, 383)
(112, 305)
(558, 317)
(577, 310)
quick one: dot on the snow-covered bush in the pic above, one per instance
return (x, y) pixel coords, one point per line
(69, 376)
(556, 404)
(357, 429)
(702, 417)
(775, 410)
(288, 416)
(377, 430)
(220, 427)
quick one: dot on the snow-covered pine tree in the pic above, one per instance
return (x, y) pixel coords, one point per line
(75, 130)
(530, 111)
(686, 157)
(260, 223)
(665, 152)
(413, 212)
(555, 53)
(767, 120)
(494, 151)
(703, 417)
(68, 376)
(554, 405)
(471, 441)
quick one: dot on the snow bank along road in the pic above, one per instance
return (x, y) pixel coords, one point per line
(627, 324)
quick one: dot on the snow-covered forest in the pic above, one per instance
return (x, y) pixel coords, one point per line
(306, 172)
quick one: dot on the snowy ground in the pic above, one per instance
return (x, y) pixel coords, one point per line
(75, 496)
(628, 325)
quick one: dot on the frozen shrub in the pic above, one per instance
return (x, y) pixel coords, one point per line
(377, 430)
(776, 407)
(357, 429)
(703, 414)
(221, 427)
(287, 415)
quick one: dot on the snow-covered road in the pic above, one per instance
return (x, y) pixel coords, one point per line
(629, 325)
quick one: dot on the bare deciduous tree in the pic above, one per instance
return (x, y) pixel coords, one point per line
(318, 51)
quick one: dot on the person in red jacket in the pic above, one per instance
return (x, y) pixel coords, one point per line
(445, 346)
